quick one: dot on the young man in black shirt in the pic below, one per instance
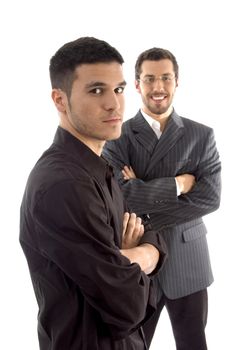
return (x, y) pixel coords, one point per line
(89, 259)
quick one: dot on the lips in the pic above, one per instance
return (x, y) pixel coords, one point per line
(158, 98)
(113, 120)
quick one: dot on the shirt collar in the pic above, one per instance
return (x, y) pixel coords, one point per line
(84, 156)
(150, 121)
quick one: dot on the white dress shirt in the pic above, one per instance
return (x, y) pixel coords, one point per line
(155, 125)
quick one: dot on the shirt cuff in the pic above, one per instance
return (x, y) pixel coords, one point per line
(177, 188)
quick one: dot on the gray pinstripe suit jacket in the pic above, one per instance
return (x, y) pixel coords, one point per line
(184, 147)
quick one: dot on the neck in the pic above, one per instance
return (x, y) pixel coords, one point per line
(95, 145)
(161, 118)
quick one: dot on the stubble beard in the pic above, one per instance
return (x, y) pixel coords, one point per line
(158, 110)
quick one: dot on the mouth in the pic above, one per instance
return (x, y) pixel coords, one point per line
(159, 98)
(113, 120)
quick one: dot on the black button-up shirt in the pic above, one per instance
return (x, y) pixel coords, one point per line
(89, 295)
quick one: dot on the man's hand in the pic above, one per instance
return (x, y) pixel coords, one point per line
(146, 255)
(128, 173)
(132, 231)
(185, 182)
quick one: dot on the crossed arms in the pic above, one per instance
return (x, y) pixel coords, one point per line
(146, 255)
(199, 185)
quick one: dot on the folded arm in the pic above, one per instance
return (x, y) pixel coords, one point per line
(146, 255)
(83, 248)
(159, 195)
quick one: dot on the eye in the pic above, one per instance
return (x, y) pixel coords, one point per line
(119, 90)
(96, 91)
(165, 78)
(148, 80)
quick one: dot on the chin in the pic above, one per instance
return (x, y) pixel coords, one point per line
(114, 136)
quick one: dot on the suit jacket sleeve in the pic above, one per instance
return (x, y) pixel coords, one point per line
(159, 195)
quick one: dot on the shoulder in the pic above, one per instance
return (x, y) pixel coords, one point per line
(134, 122)
(196, 129)
(54, 172)
(56, 165)
(194, 124)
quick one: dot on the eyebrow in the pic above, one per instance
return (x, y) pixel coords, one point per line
(94, 84)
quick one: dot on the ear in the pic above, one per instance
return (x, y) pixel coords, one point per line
(177, 82)
(59, 99)
(137, 85)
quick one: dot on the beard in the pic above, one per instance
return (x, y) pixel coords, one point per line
(157, 109)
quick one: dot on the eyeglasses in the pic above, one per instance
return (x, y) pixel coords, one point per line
(150, 79)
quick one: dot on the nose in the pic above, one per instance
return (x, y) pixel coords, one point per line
(112, 101)
(158, 84)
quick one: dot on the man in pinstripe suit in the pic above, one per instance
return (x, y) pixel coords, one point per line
(169, 170)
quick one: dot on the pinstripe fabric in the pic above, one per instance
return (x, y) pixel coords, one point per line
(184, 147)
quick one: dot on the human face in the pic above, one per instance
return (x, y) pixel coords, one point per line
(157, 93)
(94, 111)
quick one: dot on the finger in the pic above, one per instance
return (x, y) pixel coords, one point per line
(132, 221)
(132, 173)
(128, 171)
(137, 227)
(141, 233)
(125, 176)
(131, 225)
(126, 168)
(125, 222)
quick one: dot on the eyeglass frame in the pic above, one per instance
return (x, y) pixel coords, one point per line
(165, 79)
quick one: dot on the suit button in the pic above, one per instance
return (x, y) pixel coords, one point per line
(146, 218)
(160, 202)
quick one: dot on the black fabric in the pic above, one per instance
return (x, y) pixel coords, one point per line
(88, 293)
(188, 317)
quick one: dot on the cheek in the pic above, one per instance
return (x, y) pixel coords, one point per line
(122, 103)
(173, 90)
(82, 108)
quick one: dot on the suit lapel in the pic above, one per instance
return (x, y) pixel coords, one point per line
(172, 133)
(157, 149)
(143, 133)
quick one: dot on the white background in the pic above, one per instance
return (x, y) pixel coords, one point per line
(199, 33)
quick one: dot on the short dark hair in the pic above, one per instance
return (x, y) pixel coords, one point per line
(155, 54)
(84, 50)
